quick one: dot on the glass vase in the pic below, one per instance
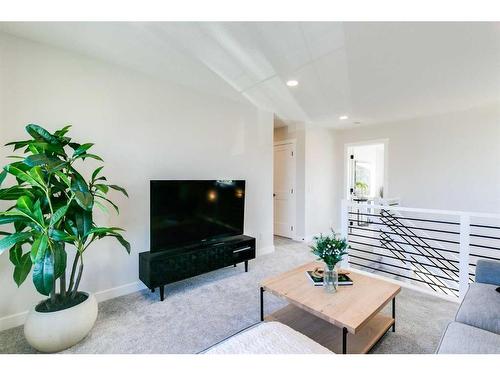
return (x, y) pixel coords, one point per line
(330, 278)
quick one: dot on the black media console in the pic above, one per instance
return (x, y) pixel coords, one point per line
(160, 268)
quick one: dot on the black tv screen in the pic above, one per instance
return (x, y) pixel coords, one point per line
(184, 212)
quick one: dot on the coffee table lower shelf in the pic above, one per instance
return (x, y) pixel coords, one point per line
(329, 335)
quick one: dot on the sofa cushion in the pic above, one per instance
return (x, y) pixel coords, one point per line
(488, 271)
(268, 338)
(481, 307)
(463, 339)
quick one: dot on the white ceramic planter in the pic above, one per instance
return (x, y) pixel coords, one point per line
(51, 332)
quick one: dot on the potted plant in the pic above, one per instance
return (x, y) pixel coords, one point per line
(51, 215)
(361, 189)
(330, 249)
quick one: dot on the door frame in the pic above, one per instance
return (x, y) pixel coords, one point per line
(293, 142)
(347, 153)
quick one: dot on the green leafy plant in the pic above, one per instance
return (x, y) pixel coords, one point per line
(329, 249)
(53, 208)
(362, 187)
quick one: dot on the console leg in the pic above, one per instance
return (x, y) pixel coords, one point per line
(162, 293)
(246, 265)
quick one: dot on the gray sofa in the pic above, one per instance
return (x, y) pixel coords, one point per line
(476, 329)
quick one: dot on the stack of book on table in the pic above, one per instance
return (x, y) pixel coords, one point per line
(316, 277)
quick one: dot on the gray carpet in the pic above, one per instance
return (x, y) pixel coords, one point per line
(204, 310)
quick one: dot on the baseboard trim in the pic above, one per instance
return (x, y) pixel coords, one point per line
(265, 250)
(15, 320)
(118, 291)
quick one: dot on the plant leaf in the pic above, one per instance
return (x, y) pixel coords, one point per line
(38, 248)
(110, 202)
(41, 159)
(58, 215)
(102, 188)
(63, 178)
(22, 270)
(82, 149)
(83, 220)
(105, 230)
(14, 192)
(119, 188)
(59, 235)
(16, 214)
(43, 274)
(62, 132)
(3, 174)
(60, 258)
(11, 219)
(40, 134)
(18, 144)
(122, 241)
(37, 212)
(82, 195)
(41, 147)
(21, 175)
(94, 174)
(9, 241)
(25, 204)
(92, 156)
(15, 254)
(102, 207)
(84, 199)
(37, 174)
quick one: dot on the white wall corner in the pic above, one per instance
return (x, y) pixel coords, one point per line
(265, 250)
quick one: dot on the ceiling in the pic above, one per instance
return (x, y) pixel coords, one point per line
(372, 72)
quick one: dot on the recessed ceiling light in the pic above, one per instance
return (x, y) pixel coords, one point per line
(292, 83)
(343, 117)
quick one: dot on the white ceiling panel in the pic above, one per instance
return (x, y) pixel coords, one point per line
(373, 72)
(323, 37)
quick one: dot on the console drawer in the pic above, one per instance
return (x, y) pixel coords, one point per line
(243, 253)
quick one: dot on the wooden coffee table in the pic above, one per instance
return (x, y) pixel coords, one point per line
(348, 321)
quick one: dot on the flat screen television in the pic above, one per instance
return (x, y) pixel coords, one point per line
(185, 212)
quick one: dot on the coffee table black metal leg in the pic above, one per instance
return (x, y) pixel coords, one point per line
(394, 314)
(344, 340)
(261, 304)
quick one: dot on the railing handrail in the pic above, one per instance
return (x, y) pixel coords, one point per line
(424, 210)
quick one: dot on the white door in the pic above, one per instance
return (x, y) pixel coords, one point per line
(284, 190)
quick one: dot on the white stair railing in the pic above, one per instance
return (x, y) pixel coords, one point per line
(435, 250)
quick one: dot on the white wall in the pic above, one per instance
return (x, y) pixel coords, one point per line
(450, 161)
(321, 176)
(144, 129)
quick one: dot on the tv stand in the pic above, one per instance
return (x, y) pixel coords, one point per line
(157, 269)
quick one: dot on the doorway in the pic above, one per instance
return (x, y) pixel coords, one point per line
(284, 190)
(366, 170)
